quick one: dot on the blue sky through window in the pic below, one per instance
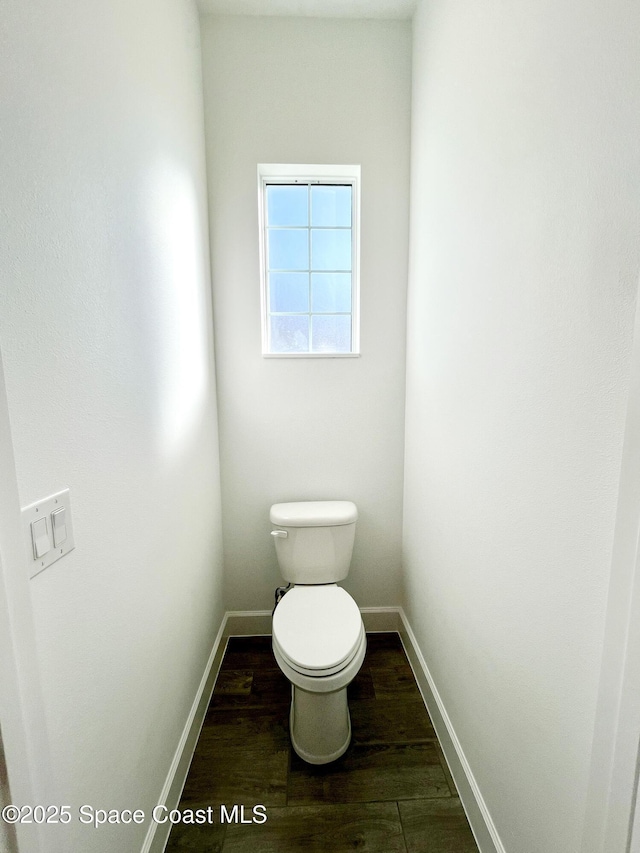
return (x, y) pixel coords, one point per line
(309, 251)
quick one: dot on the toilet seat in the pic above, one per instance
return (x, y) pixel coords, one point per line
(317, 630)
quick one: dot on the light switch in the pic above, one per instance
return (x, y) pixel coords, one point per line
(59, 525)
(40, 538)
(48, 531)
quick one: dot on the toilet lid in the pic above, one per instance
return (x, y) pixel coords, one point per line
(317, 627)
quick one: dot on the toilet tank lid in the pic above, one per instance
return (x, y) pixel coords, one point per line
(314, 513)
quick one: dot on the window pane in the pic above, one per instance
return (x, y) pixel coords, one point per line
(331, 206)
(331, 291)
(289, 291)
(331, 250)
(289, 333)
(331, 332)
(287, 205)
(288, 249)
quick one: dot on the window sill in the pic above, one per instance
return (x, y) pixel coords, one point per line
(311, 355)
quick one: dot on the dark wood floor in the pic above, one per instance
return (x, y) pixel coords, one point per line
(390, 792)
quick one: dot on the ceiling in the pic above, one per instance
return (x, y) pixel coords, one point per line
(311, 8)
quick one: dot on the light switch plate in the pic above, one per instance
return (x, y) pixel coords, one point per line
(44, 509)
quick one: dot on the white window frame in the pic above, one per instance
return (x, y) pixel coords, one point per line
(270, 173)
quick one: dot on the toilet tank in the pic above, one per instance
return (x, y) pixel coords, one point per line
(314, 540)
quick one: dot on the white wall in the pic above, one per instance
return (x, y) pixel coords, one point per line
(7, 832)
(281, 90)
(523, 273)
(105, 322)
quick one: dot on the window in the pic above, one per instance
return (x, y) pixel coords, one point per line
(309, 228)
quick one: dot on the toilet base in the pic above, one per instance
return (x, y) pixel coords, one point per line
(319, 725)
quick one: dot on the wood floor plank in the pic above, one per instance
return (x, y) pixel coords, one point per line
(269, 688)
(393, 682)
(193, 838)
(244, 757)
(245, 776)
(362, 686)
(384, 641)
(369, 774)
(234, 682)
(244, 728)
(447, 772)
(436, 826)
(384, 649)
(249, 653)
(366, 827)
(390, 721)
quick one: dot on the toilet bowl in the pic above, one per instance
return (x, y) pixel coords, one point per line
(319, 640)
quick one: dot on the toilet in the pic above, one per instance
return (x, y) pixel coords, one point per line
(319, 640)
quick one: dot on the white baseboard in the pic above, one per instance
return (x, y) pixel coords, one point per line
(247, 623)
(381, 619)
(254, 623)
(480, 820)
(158, 834)
(242, 623)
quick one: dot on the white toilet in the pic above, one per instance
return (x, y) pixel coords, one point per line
(318, 636)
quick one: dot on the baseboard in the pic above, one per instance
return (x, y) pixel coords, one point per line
(247, 623)
(254, 623)
(480, 820)
(381, 619)
(158, 834)
(258, 623)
